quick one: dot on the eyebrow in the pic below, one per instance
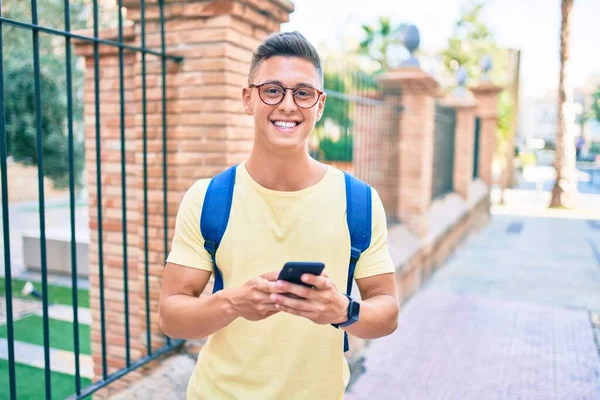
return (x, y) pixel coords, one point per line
(298, 85)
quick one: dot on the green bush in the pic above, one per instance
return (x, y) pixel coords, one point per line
(336, 151)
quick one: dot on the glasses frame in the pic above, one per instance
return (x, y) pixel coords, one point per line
(285, 89)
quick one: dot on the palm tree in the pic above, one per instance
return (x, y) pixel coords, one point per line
(565, 188)
(379, 38)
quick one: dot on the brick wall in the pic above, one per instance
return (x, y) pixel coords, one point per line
(415, 146)
(486, 96)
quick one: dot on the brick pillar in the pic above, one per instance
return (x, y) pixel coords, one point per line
(486, 96)
(376, 145)
(207, 131)
(415, 155)
(463, 143)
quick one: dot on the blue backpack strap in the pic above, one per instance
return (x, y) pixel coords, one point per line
(359, 219)
(215, 216)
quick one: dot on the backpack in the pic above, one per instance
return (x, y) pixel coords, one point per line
(217, 207)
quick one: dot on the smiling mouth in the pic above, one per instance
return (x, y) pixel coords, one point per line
(286, 126)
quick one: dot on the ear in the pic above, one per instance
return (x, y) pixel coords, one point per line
(321, 106)
(247, 100)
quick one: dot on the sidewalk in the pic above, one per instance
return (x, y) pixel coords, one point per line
(510, 316)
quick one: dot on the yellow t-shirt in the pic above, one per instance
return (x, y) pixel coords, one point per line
(284, 356)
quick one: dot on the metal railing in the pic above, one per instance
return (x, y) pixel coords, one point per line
(359, 132)
(68, 36)
(443, 151)
(476, 142)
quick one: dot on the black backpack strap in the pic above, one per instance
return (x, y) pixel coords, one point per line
(359, 218)
(215, 216)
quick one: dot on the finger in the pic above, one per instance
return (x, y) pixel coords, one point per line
(298, 290)
(266, 286)
(259, 299)
(305, 314)
(319, 282)
(296, 304)
(269, 308)
(271, 275)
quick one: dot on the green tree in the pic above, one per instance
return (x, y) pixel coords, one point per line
(19, 84)
(21, 125)
(378, 39)
(470, 41)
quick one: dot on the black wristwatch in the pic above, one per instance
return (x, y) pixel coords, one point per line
(353, 311)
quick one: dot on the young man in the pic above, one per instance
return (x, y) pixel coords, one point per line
(286, 207)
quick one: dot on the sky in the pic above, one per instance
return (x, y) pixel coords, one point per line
(532, 26)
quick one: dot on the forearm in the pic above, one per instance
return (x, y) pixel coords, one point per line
(378, 317)
(187, 317)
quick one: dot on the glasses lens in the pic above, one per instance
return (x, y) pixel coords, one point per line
(271, 93)
(305, 97)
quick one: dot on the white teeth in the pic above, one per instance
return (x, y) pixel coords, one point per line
(283, 124)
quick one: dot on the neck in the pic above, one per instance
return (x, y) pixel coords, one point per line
(291, 171)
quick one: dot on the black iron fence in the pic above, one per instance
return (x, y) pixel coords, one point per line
(476, 141)
(443, 151)
(359, 132)
(38, 124)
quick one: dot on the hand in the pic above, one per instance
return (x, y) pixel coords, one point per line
(323, 305)
(252, 301)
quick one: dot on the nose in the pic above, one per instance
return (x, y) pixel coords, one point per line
(287, 105)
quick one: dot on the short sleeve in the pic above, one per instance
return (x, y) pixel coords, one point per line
(376, 260)
(187, 247)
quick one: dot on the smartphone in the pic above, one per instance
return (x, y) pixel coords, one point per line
(293, 271)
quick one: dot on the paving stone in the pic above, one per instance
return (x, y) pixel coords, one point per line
(168, 381)
(20, 308)
(506, 318)
(454, 346)
(65, 313)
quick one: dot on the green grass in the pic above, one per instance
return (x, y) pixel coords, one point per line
(56, 294)
(31, 383)
(30, 330)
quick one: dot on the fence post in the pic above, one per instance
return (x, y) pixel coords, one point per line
(415, 145)
(486, 97)
(207, 131)
(464, 138)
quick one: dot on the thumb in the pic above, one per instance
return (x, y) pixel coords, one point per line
(270, 276)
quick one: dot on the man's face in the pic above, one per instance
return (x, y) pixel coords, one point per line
(283, 127)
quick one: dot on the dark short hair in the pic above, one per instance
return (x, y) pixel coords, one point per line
(286, 44)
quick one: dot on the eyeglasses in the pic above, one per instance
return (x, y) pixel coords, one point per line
(273, 94)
